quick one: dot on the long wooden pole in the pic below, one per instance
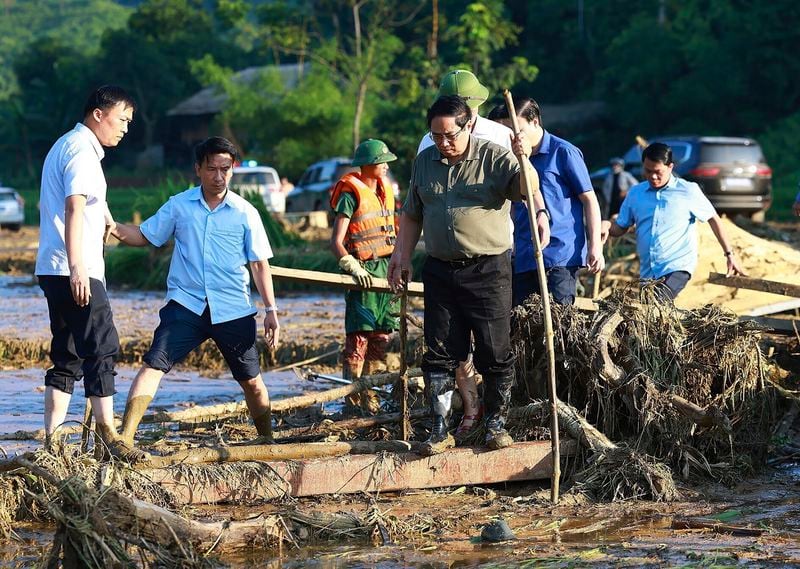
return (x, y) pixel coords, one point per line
(525, 165)
(338, 280)
(405, 421)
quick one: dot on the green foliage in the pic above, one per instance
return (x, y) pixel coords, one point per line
(483, 30)
(78, 24)
(278, 236)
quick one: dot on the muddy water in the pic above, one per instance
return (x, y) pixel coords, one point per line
(22, 401)
(23, 312)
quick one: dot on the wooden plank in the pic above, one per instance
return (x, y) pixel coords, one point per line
(751, 283)
(774, 308)
(337, 280)
(362, 473)
(378, 285)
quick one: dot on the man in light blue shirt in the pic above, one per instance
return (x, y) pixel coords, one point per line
(664, 210)
(217, 233)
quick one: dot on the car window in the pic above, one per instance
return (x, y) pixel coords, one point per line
(240, 178)
(343, 169)
(731, 153)
(7, 197)
(271, 178)
(634, 155)
(681, 151)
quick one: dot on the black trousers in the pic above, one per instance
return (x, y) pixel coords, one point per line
(85, 342)
(463, 297)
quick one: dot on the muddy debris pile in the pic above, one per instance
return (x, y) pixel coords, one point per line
(680, 393)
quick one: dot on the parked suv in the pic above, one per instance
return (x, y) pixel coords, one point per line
(732, 172)
(12, 209)
(312, 192)
(262, 180)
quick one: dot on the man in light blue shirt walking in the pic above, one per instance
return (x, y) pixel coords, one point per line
(217, 233)
(664, 210)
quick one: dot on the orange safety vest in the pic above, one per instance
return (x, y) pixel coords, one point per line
(371, 233)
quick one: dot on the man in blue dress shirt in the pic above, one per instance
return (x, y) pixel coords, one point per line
(664, 210)
(571, 207)
(217, 234)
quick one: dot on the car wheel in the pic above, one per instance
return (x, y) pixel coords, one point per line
(758, 217)
(11, 226)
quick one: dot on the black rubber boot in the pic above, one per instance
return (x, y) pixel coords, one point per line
(440, 386)
(497, 393)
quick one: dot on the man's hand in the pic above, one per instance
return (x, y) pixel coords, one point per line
(595, 262)
(351, 265)
(796, 208)
(520, 144)
(111, 225)
(272, 329)
(399, 271)
(605, 226)
(543, 227)
(79, 284)
(734, 268)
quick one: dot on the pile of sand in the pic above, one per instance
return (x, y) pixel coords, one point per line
(759, 257)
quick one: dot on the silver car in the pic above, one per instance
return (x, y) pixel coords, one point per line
(12, 209)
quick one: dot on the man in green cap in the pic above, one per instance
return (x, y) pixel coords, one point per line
(464, 84)
(363, 240)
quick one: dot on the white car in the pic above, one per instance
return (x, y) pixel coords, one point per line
(262, 180)
(12, 209)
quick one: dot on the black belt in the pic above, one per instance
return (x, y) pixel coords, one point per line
(465, 262)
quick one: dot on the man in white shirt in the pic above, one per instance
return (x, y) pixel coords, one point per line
(71, 269)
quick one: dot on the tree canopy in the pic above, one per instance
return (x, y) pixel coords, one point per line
(371, 69)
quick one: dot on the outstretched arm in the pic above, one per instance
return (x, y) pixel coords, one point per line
(129, 234)
(734, 268)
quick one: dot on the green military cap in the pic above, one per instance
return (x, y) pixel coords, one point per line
(372, 151)
(464, 84)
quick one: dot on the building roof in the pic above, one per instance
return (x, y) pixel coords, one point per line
(210, 100)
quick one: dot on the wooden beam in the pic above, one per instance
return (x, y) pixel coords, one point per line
(365, 473)
(774, 308)
(751, 283)
(337, 280)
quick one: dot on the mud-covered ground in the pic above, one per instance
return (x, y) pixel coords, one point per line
(445, 525)
(440, 528)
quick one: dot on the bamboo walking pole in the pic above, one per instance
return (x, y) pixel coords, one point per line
(524, 165)
(405, 420)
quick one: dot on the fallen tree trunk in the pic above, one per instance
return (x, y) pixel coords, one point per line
(211, 412)
(309, 399)
(274, 453)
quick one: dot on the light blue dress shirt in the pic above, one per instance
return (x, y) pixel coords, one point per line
(665, 225)
(212, 249)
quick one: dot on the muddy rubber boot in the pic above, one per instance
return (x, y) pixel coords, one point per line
(55, 442)
(109, 444)
(440, 395)
(263, 425)
(497, 393)
(351, 370)
(370, 401)
(134, 411)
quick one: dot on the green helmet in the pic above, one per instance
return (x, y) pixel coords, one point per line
(372, 151)
(464, 84)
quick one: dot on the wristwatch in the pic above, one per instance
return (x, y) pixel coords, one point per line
(546, 214)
